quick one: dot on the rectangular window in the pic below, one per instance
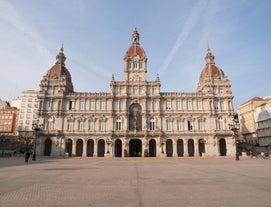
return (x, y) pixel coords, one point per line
(71, 105)
(168, 105)
(222, 105)
(169, 125)
(91, 125)
(178, 105)
(101, 125)
(92, 105)
(70, 125)
(149, 105)
(179, 125)
(215, 105)
(199, 104)
(189, 125)
(118, 124)
(102, 105)
(82, 105)
(189, 105)
(116, 105)
(201, 125)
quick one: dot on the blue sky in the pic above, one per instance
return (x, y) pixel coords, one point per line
(174, 34)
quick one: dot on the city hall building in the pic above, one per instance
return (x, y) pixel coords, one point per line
(135, 118)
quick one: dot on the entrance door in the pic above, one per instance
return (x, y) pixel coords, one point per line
(68, 147)
(101, 148)
(79, 147)
(169, 148)
(135, 148)
(118, 148)
(180, 147)
(152, 148)
(191, 150)
(48, 147)
(222, 147)
(90, 148)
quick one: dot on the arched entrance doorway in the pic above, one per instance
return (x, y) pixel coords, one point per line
(47, 147)
(169, 148)
(90, 148)
(222, 147)
(118, 148)
(180, 147)
(191, 150)
(152, 148)
(101, 147)
(201, 147)
(79, 147)
(68, 147)
(135, 148)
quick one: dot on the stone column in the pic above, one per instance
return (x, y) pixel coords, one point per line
(174, 148)
(95, 148)
(74, 148)
(84, 153)
(196, 149)
(185, 148)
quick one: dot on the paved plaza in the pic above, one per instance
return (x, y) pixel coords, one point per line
(135, 182)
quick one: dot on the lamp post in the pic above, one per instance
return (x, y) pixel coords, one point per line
(108, 142)
(36, 128)
(235, 126)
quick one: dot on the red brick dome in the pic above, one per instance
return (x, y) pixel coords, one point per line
(210, 69)
(135, 49)
(59, 69)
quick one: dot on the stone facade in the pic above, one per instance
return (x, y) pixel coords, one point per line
(135, 118)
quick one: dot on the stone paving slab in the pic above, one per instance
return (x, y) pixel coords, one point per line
(135, 182)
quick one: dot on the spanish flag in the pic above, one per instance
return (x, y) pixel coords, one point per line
(135, 120)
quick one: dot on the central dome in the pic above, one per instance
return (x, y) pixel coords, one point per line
(135, 49)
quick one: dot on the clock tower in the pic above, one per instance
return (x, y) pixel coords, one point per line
(135, 61)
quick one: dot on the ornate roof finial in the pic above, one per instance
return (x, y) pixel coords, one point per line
(60, 58)
(209, 58)
(157, 77)
(135, 36)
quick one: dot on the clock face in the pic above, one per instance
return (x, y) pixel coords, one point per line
(136, 58)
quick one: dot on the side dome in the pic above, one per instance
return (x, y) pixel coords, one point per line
(211, 70)
(135, 49)
(58, 76)
(59, 69)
